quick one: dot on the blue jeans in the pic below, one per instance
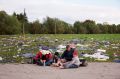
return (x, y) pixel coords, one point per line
(49, 62)
(73, 66)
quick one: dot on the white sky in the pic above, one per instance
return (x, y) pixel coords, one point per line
(67, 10)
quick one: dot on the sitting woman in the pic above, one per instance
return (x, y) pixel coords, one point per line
(48, 59)
(43, 56)
(72, 64)
(37, 58)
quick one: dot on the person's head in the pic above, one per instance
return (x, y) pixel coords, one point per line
(68, 47)
(56, 53)
(75, 55)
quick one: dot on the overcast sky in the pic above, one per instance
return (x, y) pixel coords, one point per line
(67, 10)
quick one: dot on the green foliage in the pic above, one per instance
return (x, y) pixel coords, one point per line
(90, 59)
(49, 23)
(18, 23)
(9, 44)
(35, 27)
(79, 28)
(9, 24)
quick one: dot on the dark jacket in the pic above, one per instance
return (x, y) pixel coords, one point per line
(68, 55)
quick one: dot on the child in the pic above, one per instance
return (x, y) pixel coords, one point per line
(56, 57)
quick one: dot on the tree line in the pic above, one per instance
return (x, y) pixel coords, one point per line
(19, 24)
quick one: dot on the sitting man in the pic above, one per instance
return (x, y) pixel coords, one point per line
(68, 54)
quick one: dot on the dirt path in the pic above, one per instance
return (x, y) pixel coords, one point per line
(30, 71)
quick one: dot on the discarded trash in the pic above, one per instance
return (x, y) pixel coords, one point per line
(101, 59)
(97, 56)
(25, 45)
(14, 56)
(28, 55)
(61, 46)
(15, 46)
(101, 50)
(19, 50)
(1, 58)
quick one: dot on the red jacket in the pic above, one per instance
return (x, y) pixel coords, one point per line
(48, 56)
(38, 55)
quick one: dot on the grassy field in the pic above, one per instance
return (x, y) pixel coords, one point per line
(11, 46)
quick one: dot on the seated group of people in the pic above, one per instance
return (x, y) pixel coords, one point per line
(69, 58)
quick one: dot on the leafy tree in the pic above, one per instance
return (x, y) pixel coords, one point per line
(90, 26)
(79, 28)
(18, 23)
(118, 28)
(100, 28)
(35, 27)
(3, 17)
(55, 25)
(59, 26)
(9, 24)
(49, 23)
(22, 18)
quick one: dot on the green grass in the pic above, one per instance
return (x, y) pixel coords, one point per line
(49, 40)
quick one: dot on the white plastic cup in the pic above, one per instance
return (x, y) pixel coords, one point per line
(43, 62)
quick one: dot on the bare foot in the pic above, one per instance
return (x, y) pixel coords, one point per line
(61, 67)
